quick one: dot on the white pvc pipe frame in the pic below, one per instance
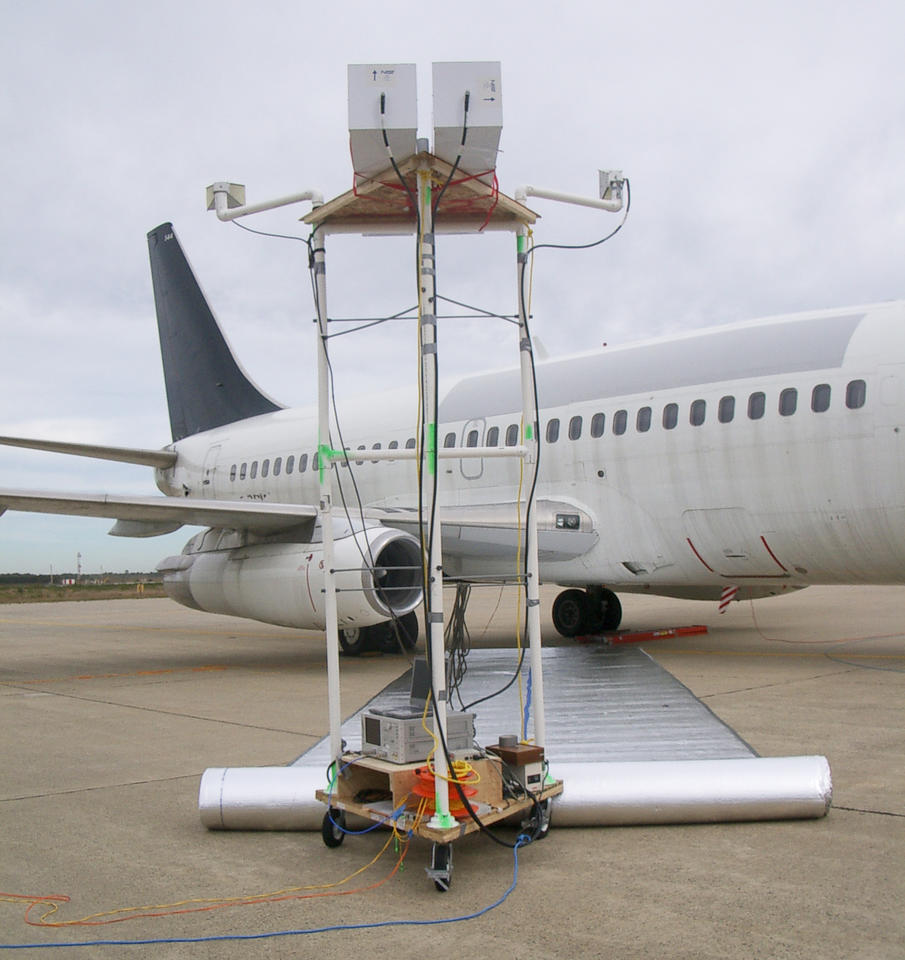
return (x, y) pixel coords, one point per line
(526, 450)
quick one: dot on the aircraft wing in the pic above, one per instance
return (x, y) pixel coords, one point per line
(139, 455)
(152, 516)
(496, 530)
(489, 531)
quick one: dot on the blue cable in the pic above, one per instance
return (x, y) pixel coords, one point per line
(527, 712)
(520, 841)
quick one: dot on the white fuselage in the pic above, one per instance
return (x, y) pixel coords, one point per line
(768, 455)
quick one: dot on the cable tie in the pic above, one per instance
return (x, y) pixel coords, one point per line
(524, 344)
(320, 266)
(428, 319)
(434, 617)
(534, 603)
(429, 348)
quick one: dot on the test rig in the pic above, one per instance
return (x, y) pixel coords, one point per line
(403, 185)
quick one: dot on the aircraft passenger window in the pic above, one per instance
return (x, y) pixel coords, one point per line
(277, 466)
(493, 437)
(242, 470)
(553, 430)
(449, 440)
(642, 421)
(598, 421)
(757, 404)
(375, 447)
(232, 473)
(670, 416)
(315, 461)
(620, 422)
(290, 463)
(697, 413)
(472, 439)
(575, 428)
(726, 410)
(265, 468)
(855, 394)
(512, 435)
(303, 462)
(393, 445)
(410, 443)
(358, 463)
(254, 470)
(788, 402)
(820, 398)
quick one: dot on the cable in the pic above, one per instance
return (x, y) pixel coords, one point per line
(457, 641)
(276, 236)
(520, 842)
(594, 243)
(455, 166)
(210, 903)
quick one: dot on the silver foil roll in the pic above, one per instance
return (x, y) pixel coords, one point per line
(692, 791)
(595, 794)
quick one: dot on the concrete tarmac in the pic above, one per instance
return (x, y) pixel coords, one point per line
(111, 710)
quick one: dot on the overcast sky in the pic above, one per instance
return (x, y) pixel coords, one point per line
(764, 143)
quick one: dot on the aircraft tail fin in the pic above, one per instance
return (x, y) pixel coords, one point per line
(205, 385)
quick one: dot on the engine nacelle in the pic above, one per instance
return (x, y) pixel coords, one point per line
(283, 583)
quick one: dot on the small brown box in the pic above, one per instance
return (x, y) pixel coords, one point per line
(520, 755)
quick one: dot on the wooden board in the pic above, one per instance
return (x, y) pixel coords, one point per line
(467, 206)
(391, 786)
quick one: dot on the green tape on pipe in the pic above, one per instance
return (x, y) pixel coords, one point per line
(431, 448)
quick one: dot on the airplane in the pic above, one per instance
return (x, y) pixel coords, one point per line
(746, 460)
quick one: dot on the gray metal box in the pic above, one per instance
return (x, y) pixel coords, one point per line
(397, 83)
(485, 115)
(401, 737)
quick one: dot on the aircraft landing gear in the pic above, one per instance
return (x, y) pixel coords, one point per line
(381, 636)
(576, 612)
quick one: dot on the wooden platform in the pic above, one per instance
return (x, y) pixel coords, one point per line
(382, 204)
(376, 789)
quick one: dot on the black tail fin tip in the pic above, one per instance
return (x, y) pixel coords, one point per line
(206, 387)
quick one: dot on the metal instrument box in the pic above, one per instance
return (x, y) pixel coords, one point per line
(401, 737)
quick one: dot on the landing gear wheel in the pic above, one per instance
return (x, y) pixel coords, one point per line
(407, 627)
(440, 870)
(408, 630)
(612, 610)
(333, 827)
(355, 640)
(570, 613)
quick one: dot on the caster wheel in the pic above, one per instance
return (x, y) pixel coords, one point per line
(440, 870)
(537, 826)
(333, 827)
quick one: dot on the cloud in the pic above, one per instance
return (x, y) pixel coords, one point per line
(763, 143)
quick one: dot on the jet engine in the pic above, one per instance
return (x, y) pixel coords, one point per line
(378, 576)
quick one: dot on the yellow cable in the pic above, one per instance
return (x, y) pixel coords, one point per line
(42, 920)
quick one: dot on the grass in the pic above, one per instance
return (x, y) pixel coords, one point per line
(50, 593)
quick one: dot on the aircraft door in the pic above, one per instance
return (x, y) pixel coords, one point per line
(472, 436)
(889, 433)
(727, 542)
(209, 473)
